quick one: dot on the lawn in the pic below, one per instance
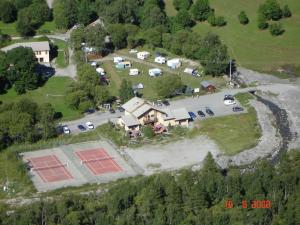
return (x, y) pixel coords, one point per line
(149, 92)
(47, 28)
(233, 133)
(8, 28)
(62, 59)
(251, 47)
(53, 92)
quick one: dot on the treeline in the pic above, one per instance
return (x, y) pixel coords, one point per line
(25, 121)
(185, 198)
(30, 14)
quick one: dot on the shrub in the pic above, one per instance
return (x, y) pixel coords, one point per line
(148, 131)
(262, 22)
(243, 18)
(220, 21)
(276, 29)
(286, 12)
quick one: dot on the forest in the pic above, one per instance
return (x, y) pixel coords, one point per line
(183, 197)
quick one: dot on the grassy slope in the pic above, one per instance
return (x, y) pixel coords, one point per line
(61, 61)
(251, 47)
(8, 28)
(53, 92)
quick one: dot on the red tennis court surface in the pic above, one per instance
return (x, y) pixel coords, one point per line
(50, 168)
(98, 161)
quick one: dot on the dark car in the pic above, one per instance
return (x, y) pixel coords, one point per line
(120, 109)
(192, 115)
(201, 114)
(237, 109)
(228, 97)
(81, 127)
(111, 110)
(209, 111)
(166, 102)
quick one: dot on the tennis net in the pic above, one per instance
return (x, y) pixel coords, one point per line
(95, 160)
(49, 167)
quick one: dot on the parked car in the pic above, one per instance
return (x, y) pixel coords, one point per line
(89, 125)
(111, 110)
(120, 109)
(201, 114)
(66, 130)
(237, 109)
(192, 115)
(81, 127)
(229, 102)
(209, 111)
(228, 97)
(165, 102)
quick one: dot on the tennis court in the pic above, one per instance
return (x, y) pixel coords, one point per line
(49, 168)
(98, 161)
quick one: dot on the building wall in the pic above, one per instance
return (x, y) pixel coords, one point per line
(42, 55)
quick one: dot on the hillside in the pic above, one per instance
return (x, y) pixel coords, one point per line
(251, 47)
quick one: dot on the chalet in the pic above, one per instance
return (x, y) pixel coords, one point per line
(139, 112)
(208, 86)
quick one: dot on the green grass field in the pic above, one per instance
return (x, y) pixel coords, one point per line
(61, 60)
(53, 92)
(47, 28)
(251, 47)
(149, 92)
(8, 28)
(233, 133)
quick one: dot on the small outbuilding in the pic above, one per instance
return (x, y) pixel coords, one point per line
(174, 63)
(155, 72)
(160, 60)
(143, 55)
(209, 87)
(134, 72)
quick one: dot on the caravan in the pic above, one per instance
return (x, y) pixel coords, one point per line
(100, 71)
(155, 72)
(160, 60)
(134, 72)
(118, 59)
(143, 55)
(174, 63)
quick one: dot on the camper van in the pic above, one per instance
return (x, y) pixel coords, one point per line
(192, 72)
(155, 72)
(133, 72)
(160, 60)
(118, 59)
(143, 55)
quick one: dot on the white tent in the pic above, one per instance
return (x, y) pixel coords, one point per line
(138, 86)
(174, 63)
(155, 72)
(160, 60)
(134, 72)
(143, 55)
(100, 71)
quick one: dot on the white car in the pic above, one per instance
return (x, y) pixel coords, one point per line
(89, 125)
(229, 102)
(66, 130)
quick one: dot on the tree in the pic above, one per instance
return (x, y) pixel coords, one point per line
(200, 10)
(118, 35)
(78, 37)
(148, 131)
(4, 83)
(182, 20)
(262, 22)
(46, 120)
(168, 85)
(95, 36)
(126, 91)
(276, 29)
(88, 77)
(148, 20)
(85, 13)
(65, 13)
(182, 4)
(8, 12)
(271, 10)
(243, 18)
(20, 4)
(286, 12)
(101, 94)
(24, 24)
(153, 37)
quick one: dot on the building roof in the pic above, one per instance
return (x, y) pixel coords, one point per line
(206, 84)
(36, 46)
(133, 104)
(130, 120)
(168, 114)
(180, 114)
(141, 110)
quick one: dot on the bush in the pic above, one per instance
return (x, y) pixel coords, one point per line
(286, 12)
(216, 21)
(262, 22)
(220, 21)
(276, 29)
(148, 131)
(243, 18)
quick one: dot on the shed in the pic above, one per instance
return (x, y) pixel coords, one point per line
(160, 60)
(155, 72)
(143, 55)
(118, 59)
(208, 86)
(174, 63)
(134, 72)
